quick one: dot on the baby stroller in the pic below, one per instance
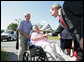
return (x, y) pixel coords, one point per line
(34, 53)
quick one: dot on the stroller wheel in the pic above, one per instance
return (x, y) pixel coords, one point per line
(42, 59)
(39, 59)
(26, 56)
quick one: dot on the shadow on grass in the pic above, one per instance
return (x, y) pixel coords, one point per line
(8, 56)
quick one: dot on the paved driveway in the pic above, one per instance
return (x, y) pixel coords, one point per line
(10, 47)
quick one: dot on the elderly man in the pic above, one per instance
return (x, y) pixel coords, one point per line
(24, 29)
(71, 18)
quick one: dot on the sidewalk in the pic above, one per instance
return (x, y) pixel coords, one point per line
(4, 55)
(13, 56)
(10, 56)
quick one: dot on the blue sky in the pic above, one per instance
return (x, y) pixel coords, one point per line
(39, 10)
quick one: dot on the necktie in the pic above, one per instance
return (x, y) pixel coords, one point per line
(61, 20)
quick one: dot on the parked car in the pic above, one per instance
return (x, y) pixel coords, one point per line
(8, 35)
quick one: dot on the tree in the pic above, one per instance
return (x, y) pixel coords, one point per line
(12, 26)
(2, 30)
(18, 20)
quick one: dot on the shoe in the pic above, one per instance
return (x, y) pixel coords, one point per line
(73, 58)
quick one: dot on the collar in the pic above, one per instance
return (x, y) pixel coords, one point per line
(27, 21)
(59, 11)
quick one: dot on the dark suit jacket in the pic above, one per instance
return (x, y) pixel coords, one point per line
(58, 30)
(72, 14)
(73, 10)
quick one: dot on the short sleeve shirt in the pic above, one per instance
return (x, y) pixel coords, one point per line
(66, 34)
(25, 26)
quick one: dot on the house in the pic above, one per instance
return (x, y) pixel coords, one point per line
(45, 28)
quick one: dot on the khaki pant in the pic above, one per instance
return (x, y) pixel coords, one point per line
(22, 46)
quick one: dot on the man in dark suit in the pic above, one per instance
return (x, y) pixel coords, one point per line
(71, 18)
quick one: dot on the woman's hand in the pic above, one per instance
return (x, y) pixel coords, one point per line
(81, 43)
(46, 35)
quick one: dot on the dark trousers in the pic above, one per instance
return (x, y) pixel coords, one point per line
(66, 43)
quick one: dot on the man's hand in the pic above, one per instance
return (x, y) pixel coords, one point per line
(73, 44)
(28, 37)
(45, 35)
(24, 34)
(81, 43)
(59, 37)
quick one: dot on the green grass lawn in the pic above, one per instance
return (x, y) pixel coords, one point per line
(53, 38)
(4, 55)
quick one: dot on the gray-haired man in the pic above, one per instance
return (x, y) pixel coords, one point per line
(24, 29)
(71, 18)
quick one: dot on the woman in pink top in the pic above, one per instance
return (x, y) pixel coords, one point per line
(40, 39)
(36, 36)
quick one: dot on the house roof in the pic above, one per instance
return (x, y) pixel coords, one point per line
(46, 27)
